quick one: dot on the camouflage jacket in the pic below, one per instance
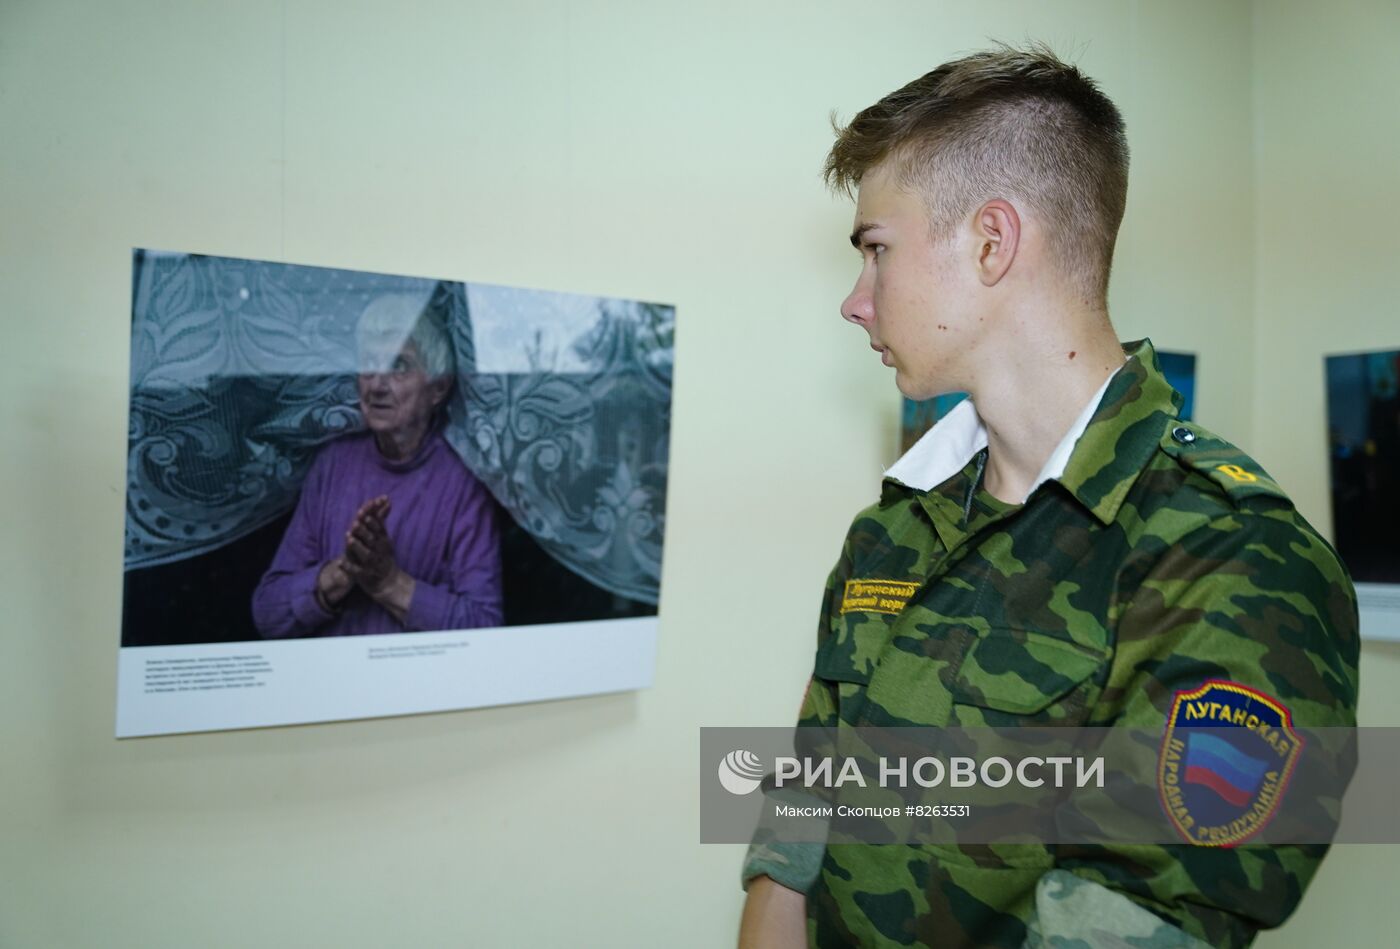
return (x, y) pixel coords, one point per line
(1160, 560)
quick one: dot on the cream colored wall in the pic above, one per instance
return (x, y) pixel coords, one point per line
(661, 151)
(1327, 198)
(1327, 150)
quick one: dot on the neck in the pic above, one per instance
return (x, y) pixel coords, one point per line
(400, 445)
(1031, 391)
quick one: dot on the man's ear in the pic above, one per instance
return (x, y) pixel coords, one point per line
(997, 232)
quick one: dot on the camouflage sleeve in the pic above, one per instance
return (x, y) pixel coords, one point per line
(796, 864)
(1251, 614)
(1072, 911)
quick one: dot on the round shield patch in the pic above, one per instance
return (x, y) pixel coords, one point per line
(1226, 758)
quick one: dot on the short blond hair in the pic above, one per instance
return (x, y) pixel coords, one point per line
(1005, 123)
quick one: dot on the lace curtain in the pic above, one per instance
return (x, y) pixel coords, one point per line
(241, 370)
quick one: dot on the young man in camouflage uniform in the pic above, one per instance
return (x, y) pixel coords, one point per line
(1060, 549)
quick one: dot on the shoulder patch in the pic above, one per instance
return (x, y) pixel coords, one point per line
(1238, 475)
(1226, 759)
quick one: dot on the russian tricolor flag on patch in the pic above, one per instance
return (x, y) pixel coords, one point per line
(1226, 758)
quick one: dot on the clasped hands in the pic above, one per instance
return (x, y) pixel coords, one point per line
(367, 562)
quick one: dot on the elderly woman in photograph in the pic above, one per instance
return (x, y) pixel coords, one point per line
(392, 533)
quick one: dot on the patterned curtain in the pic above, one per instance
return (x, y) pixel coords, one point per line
(241, 370)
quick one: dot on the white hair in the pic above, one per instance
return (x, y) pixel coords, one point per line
(403, 318)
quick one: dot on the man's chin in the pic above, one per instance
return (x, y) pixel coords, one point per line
(915, 391)
(908, 387)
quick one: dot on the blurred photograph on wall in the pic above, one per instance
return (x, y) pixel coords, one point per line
(354, 494)
(918, 416)
(1363, 437)
(1180, 370)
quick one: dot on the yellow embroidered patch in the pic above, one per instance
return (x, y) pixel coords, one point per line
(877, 596)
(1236, 472)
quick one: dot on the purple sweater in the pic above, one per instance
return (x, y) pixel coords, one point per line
(441, 521)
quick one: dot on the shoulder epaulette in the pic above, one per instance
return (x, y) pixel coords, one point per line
(1237, 474)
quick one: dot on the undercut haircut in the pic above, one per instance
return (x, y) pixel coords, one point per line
(1016, 124)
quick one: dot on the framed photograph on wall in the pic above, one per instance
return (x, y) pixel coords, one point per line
(1180, 370)
(1363, 439)
(917, 417)
(354, 494)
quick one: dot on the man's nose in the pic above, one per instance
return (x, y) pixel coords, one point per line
(859, 306)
